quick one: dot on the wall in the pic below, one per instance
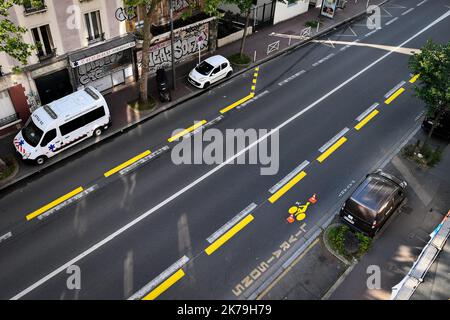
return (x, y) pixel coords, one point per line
(285, 11)
(234, 37)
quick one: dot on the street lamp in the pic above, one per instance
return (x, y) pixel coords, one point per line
(172, 54)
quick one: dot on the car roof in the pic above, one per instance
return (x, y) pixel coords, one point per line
(216, 60)
(373, 192)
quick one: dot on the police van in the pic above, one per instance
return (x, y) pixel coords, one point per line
(62, 124)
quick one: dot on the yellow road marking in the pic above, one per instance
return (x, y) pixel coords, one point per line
(165, 285)
(127, 163)
(287, 269)
(257, 69)
(255, 75)
(228, 235)
(237, 103)
(54, 203)
(254, 81)
(253, 88)
(394, 95)
(364, 121)
(414, 79)
(287, 187)
(331, 149)
(186, 131)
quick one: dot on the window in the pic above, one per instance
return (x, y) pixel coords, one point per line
(83, 120)
(94, 26)
(49, 136)
(31, 133)
(215, 71)
(291, 2)
(44, 42)
(224, 65)
(33, 5)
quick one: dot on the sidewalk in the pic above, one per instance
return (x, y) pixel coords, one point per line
(124, 118)
(394, 250)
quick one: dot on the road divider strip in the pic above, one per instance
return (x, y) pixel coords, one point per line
(414, 78)
(365, 113)
(364, 121)
(162, 282)
(216, 235)
(237, 103)
(287, 187)
(186, 131)
(126, 163)
(394, 96)
(54, 203)
(289, 177)
(6, 236)
(229, 234)
(394, 89)
(332, 149)
(144, 160)
(333, 140)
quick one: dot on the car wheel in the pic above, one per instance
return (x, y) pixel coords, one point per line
(229, 74)
(40, 160)
(206, 85)
(97, 132)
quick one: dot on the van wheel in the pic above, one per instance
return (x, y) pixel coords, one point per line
(97, 132)
(206, 85)
(40, 160)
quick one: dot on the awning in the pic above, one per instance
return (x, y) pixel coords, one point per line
(102, 50)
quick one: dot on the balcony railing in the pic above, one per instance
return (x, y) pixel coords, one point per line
(30, 8)
(100, 37)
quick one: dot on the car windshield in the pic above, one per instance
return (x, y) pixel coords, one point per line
(31, 133)
(204, 68)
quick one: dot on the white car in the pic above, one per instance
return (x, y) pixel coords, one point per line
(209, 71)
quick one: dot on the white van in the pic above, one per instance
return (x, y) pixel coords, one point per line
(61, 124)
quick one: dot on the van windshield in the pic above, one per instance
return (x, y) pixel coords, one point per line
(204, 68)
(31, 133)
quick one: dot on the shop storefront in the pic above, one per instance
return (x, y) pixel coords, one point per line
(104, 66)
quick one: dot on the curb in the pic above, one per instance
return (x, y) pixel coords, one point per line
(190, 96)
(341, 279)
(328, 246)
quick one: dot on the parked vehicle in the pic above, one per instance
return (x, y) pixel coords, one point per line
(373, 202)
(209, 71)
(162, 85)
(442, 129)
(61, 124)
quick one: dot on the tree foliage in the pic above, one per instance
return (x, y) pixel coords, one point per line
(11, 40)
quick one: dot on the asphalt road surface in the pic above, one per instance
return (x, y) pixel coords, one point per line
(132, 228)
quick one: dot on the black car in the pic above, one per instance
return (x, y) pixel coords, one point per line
(442, 129)
(373, 202)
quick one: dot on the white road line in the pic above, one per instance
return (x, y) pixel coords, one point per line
(334, 139)
(419, 116)
(394, 89)
(370, 33)
(291, 77)
(6, 236)
(421, 3)
(220, 166)
(391, 21)
(163, 276)
(407, 11)
(369, 110)
(216, 235)
(143, 160)
(287, 178)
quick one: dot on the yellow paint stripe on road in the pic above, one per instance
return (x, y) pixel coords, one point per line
(332, 149)
(255, 75)
(414, 79)
(54, 203)
(287, 187)
(254, 81)
(186, 131)
(253, 88)
(126, 163)
(165, 285)
(394, 95)
(257, 69)
(229, 234)
(364, 121)
(237, 103)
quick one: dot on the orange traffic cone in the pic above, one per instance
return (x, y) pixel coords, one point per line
(313, 199)
(290, 219)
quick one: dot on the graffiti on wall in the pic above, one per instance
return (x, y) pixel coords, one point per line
(185, 45)
(100, 68)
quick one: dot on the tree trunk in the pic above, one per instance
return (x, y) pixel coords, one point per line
(435, 124)
(143, 82)
(244, 36)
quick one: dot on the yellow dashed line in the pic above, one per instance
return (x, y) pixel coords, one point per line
(237, 103)
(54, 203)
(332, 149)
(186, 131)
(414, 78)
(126, 163)
(254, 81)
(229, 234)
(364, 121)
(165, 285)
(394, 95)
(287, 187)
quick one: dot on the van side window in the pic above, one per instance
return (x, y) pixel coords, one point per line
(49, 136)
(83, 120)
(94, 115)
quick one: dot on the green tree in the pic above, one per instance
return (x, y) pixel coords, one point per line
(245, 9)
(433, 86)
(11, 40)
